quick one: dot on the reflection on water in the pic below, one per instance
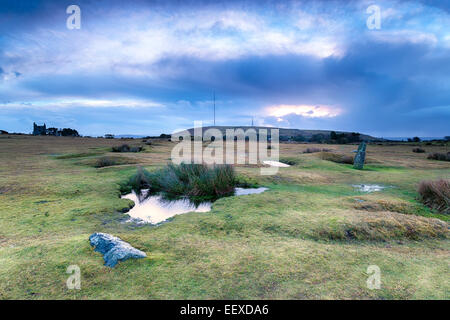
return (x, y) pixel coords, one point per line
(155, 208)
(276, 164)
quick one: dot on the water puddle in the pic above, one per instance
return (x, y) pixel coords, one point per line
(368, 187)
(155, 209)
(276, 164)
(244, 191)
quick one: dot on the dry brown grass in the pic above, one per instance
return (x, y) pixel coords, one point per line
(387, 205)
(385, 226)
(435, 194)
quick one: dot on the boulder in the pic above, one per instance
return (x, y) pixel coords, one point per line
(360, 157)
(114, 249)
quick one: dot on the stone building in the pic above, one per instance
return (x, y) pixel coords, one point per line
(39, 130)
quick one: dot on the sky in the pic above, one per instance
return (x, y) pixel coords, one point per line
(148, 67)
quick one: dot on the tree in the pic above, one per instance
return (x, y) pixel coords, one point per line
(333, 135)
(416, 139)
(67, 132)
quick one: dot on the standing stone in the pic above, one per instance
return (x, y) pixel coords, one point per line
(360, 156)
(114, 249)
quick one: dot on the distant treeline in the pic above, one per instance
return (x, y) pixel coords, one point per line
(333, 137)
(66, 132)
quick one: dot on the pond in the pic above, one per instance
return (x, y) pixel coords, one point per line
(156, 209)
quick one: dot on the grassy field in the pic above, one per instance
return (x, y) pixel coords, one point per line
(308, 237)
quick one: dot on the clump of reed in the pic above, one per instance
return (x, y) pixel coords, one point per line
(191, 180)
(435, 194)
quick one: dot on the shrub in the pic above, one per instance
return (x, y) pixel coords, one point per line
(435, 194)
(335, 157)
(418, 150)
(126, 148)
(192, 180)
(105, 162)
(439, 156)
(108, 161)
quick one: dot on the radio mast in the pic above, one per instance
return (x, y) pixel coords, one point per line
(214, 108)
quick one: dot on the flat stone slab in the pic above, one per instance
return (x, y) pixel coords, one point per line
(114, 249)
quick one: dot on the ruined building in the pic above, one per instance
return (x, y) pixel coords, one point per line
(39, 130)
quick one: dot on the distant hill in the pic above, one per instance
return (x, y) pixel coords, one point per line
(291, 133)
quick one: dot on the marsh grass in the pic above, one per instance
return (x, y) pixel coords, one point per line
(435, 194)
(302, 240)
(191, 180)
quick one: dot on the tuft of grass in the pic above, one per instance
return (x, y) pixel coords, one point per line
(418, 150)
(439, 156)
(336, 157)
(435, 194)
(126, 148)
(192, 180)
